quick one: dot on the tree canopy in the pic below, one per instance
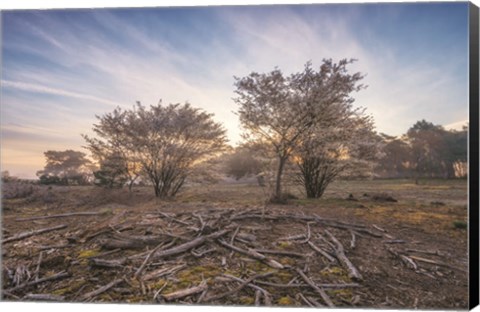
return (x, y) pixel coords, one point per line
(162, 143)
(281, 111)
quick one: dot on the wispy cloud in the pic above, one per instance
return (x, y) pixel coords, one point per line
(44, 89)
(60, 69)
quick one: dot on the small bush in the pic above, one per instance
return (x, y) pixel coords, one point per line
(460, 224)
(17, 189)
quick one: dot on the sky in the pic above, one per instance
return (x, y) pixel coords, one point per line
(61, 68)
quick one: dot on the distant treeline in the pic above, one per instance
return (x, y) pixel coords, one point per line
(425, 151)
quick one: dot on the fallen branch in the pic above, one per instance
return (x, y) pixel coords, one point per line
(281, 252)
(101, 289)
(320, 291)
(162, 272)
(352, 242)
(340, 253)
(329, 286)
(242, 285)
(107, 263)
(302, 297)
(40, 280)
(186, 292)
(32, 233)
(437, 263)
(189, 245)
(39, 263)
(144, 263)
(322, 252)
(43, 297)
(63, 215)
(252, 253)
(307, 237)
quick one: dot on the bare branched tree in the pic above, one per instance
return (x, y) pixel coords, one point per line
(113, 150)
(347, 145)
(281, 110)
(164, 143)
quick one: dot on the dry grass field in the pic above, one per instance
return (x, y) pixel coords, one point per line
(407, 242)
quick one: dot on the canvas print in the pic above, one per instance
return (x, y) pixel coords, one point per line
(265, 155)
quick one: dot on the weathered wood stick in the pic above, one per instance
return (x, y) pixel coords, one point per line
(321, 251)
(144, 263)
(63, 215)
(292, 237)
(437, 263)
(252, 253)
(320, 291)
(240, 287)
(162, 272)
(43, 297)
(299, 295)
(309, 234)
(379, 228)
(101, 289)
(340, 253)
(352, 242)
(40, 280)
(32, 233)
(258, 288)
(329, 286)
(39, 263)
(107, 263)
(185, 292)
(409, 262)
(258, 296)
(314, 301)
(188, 245)
(281, 252)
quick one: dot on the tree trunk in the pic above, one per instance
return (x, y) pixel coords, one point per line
(278, 184)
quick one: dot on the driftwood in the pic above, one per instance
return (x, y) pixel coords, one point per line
(186, 292)
(320, 291)
(101, 290)
(33, 233)
(63, 215)
(340, 253)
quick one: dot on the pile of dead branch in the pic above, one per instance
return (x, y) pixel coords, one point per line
(249, 257)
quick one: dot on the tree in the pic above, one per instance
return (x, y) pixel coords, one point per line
(279, 110)
(65, 167)
(113, 150)
(343, 144)
(436, 152)
(164, 142)
(397, 160)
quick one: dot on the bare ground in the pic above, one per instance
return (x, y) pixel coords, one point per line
(411, 253)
